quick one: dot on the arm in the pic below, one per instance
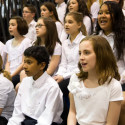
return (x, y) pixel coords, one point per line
(53, 107)
(1, 109)
(7, 65)
(113, 113)
(19, 68)
(55, 60)
(72, 112)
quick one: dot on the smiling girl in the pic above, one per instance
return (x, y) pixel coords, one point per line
(95, 92)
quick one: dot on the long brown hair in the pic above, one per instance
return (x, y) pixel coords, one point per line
(51, 36)
(5, 73)
(106, 65)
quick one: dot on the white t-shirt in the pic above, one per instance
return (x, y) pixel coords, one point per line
(92, 103)
(70, 57)
(40, 99)
(7, 96)
(15, 54)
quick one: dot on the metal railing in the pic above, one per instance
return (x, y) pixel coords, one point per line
(9, 8)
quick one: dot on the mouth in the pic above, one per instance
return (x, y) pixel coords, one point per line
(103, 22)
(83, 64)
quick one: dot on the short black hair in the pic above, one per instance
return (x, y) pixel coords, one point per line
(39, 53)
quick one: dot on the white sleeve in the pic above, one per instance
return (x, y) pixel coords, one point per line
(17, 116)
(95, 9)
(64, 36)
(116, 91)
(63, 64)
(58, 49)
(87, 23)
(53, 107)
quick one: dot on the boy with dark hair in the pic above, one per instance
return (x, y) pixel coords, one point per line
(29, 12)
(39, 99)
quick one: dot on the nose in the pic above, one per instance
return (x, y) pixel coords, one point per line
(82, 57)
(24, 66)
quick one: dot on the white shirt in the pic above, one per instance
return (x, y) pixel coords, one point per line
(70, 57)
(60, 28)
(87, 23)
(120, 62)
(7, 96)
(41, 100)
(92, 103)
(15, 54)
(123, 11)
(61, 10)
(31, 31)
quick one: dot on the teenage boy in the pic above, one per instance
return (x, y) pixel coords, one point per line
(29, 14)
(61, 9)
(39, 100)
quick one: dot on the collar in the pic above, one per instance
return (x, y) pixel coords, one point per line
(40, 81)
(76, 40)
(62, 4)
(102, 33)
(32, 23)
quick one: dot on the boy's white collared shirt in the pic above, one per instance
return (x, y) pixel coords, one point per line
(41, 100)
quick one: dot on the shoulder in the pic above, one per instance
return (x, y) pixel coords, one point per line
(86, 18)
(9, 42)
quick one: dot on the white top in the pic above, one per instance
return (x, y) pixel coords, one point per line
(61, 10)
(70, 57)
(41, 100)
(120, 62)
(92, 103)
(87, 23)
(15, 54)
(59, 27)
(57, 49)
(95, 9)
(2, 53)
(7, 96)
(123, 11)
(31, 31)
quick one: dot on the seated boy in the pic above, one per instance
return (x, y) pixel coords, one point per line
(39, 100)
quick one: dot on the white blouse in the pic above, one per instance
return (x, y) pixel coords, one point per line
(15, 54)
(92, 103)
(70, 57)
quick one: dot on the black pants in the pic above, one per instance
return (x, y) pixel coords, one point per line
(31, 121)
(15, 80)
(3, 120)
(123, 87)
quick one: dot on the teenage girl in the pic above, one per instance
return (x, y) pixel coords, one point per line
(96, 93)
(69, 60)
(48, 9)
(7, 95)
(16, 46)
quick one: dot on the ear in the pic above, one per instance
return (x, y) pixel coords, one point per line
(51, 13)
(33, 15)
(79, 25)
(42, 66)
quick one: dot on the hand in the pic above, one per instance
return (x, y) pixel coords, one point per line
(58, 78)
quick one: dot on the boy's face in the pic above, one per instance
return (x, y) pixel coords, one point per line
(27, 14)
(32, 68)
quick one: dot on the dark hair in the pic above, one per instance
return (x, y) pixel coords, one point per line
(39, 53)
(22, 26)
(121, 3)
(118, 27)
(51, 7)
(78, 17)
(82, 8)
(51, 36)
(30, 7)
(105, 61)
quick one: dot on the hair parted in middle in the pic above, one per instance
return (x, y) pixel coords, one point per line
(106, 66)
(78, 17)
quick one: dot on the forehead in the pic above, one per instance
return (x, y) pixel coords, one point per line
(40, 21)
(70, 17)
(73, 1)
(29, 58)
(26, 8)
(44, 7)
(104, 7)
(13, 21)
(86, 45)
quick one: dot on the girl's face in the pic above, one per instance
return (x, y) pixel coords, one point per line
(45, 12)
(104, 19)
(71, 26)
(87, 57)
(73, 5)
(41, 29)
(13, 27)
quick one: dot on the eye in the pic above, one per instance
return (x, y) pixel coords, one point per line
(29, 62)
(79, 53)
(86, 52)
(100, 12)
(107, 12)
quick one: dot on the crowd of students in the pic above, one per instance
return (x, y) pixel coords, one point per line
(66, 68)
